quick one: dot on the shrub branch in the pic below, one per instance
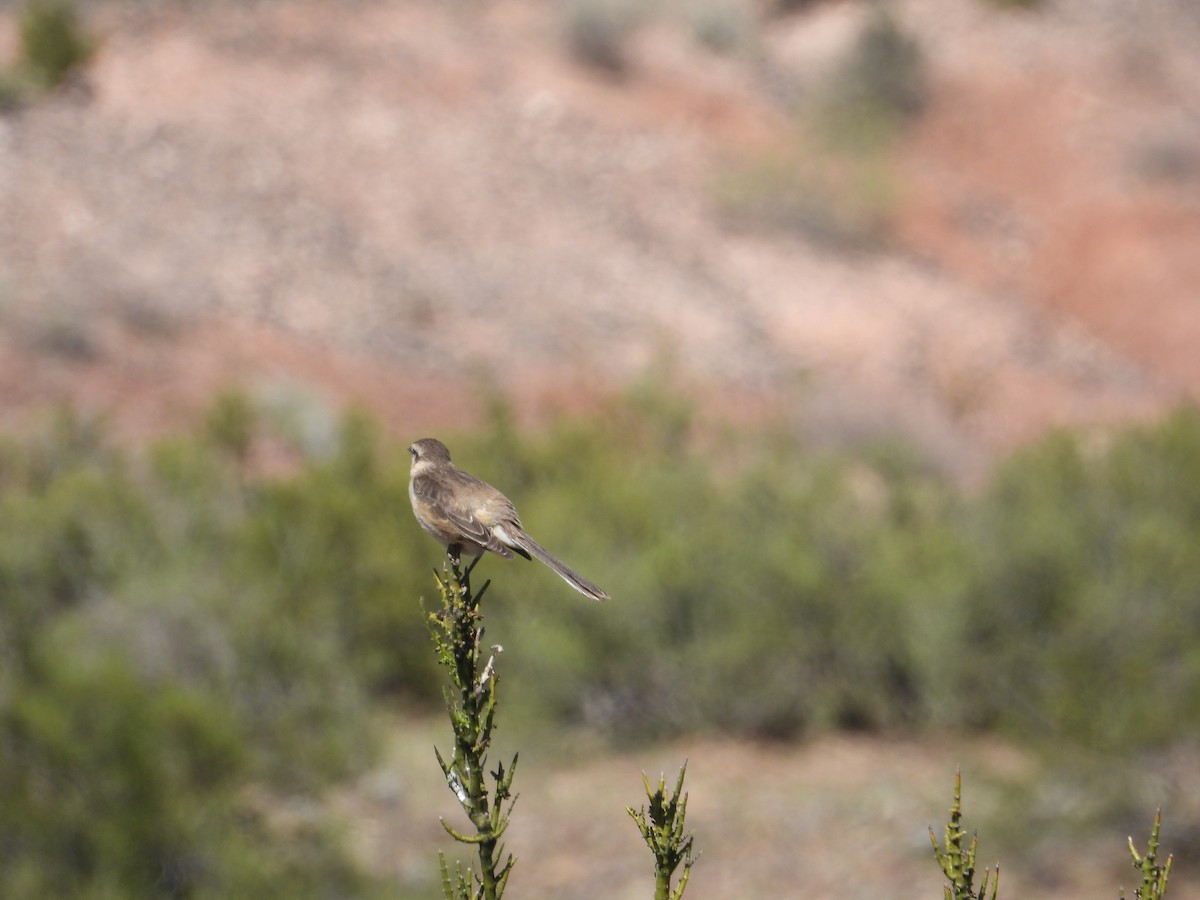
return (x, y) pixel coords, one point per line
(457, 631)
(661, 825)
(1154, 876)
(957, 858)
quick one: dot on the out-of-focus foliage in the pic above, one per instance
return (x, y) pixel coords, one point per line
(186, 642)
(723, 26)
(757, 587)
(884, 77)
(1085, 601)
(761, 588)
(52, 43)
(1017, 4)
(597, 30)
(165, 684)
(831, 179)
(53, 40)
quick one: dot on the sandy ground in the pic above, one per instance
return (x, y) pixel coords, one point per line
(840, 816)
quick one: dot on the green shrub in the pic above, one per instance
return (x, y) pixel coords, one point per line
(53, 42)
(741, 569)
(152, 675)
(1086, 604)
(1017, 4)
(883, 81)
(108, 779)
(831, 179)
(13, 90)
(731, 589)
(786, 591)
(179, 636)
(842, 201)
(724, 26)
(598, 30)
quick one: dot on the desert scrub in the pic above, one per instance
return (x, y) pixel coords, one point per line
(723, 26)
(879, 86)
(830, 179)
(840, 202)
(158, 700)
(956, 857)
(1051, 605)
(52, 43)
(597, 31)
(1016, 4)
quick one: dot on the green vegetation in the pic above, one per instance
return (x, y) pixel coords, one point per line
(52, 44)
(956, 857)
(1154, 875)
(840, 201)
(597, 31)
(53, 41)
(457, 630)
(723, 26)
(661, 824)
(189, 647)
(882, 82)
(1017, 4)
(831, 179)
(773, 591)
(162, 696)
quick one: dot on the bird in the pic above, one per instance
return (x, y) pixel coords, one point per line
(467, 515)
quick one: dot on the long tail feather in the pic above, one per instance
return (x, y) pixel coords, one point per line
(522, 541)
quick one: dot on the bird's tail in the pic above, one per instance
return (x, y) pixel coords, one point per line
(522, 541)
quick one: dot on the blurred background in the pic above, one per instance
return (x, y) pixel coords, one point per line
(851, 346)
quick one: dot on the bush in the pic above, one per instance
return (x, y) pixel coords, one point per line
(185, 643)
(51, 45)
(53, 42)
(840, 201)
(731, 589)
(723, 26)
(831, 180)
(1087, 600)
(152, 675)
(109, 781)
(783, 591)
(597, 31)
(885, 74)
(1017, 4)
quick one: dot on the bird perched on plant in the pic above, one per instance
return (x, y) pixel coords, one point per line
(467, 515)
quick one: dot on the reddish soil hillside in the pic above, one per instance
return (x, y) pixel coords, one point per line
(389, 204)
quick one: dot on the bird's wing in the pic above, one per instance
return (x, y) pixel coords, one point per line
(437, 495)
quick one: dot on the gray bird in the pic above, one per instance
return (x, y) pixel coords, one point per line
(467, 515)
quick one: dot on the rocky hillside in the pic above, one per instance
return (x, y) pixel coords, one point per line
(393, 203)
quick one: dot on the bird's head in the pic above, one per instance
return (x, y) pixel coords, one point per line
(428, 450)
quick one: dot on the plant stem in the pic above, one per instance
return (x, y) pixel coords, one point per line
(1154, 876)
(661, 824)
(957, 858)
(457, 631)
